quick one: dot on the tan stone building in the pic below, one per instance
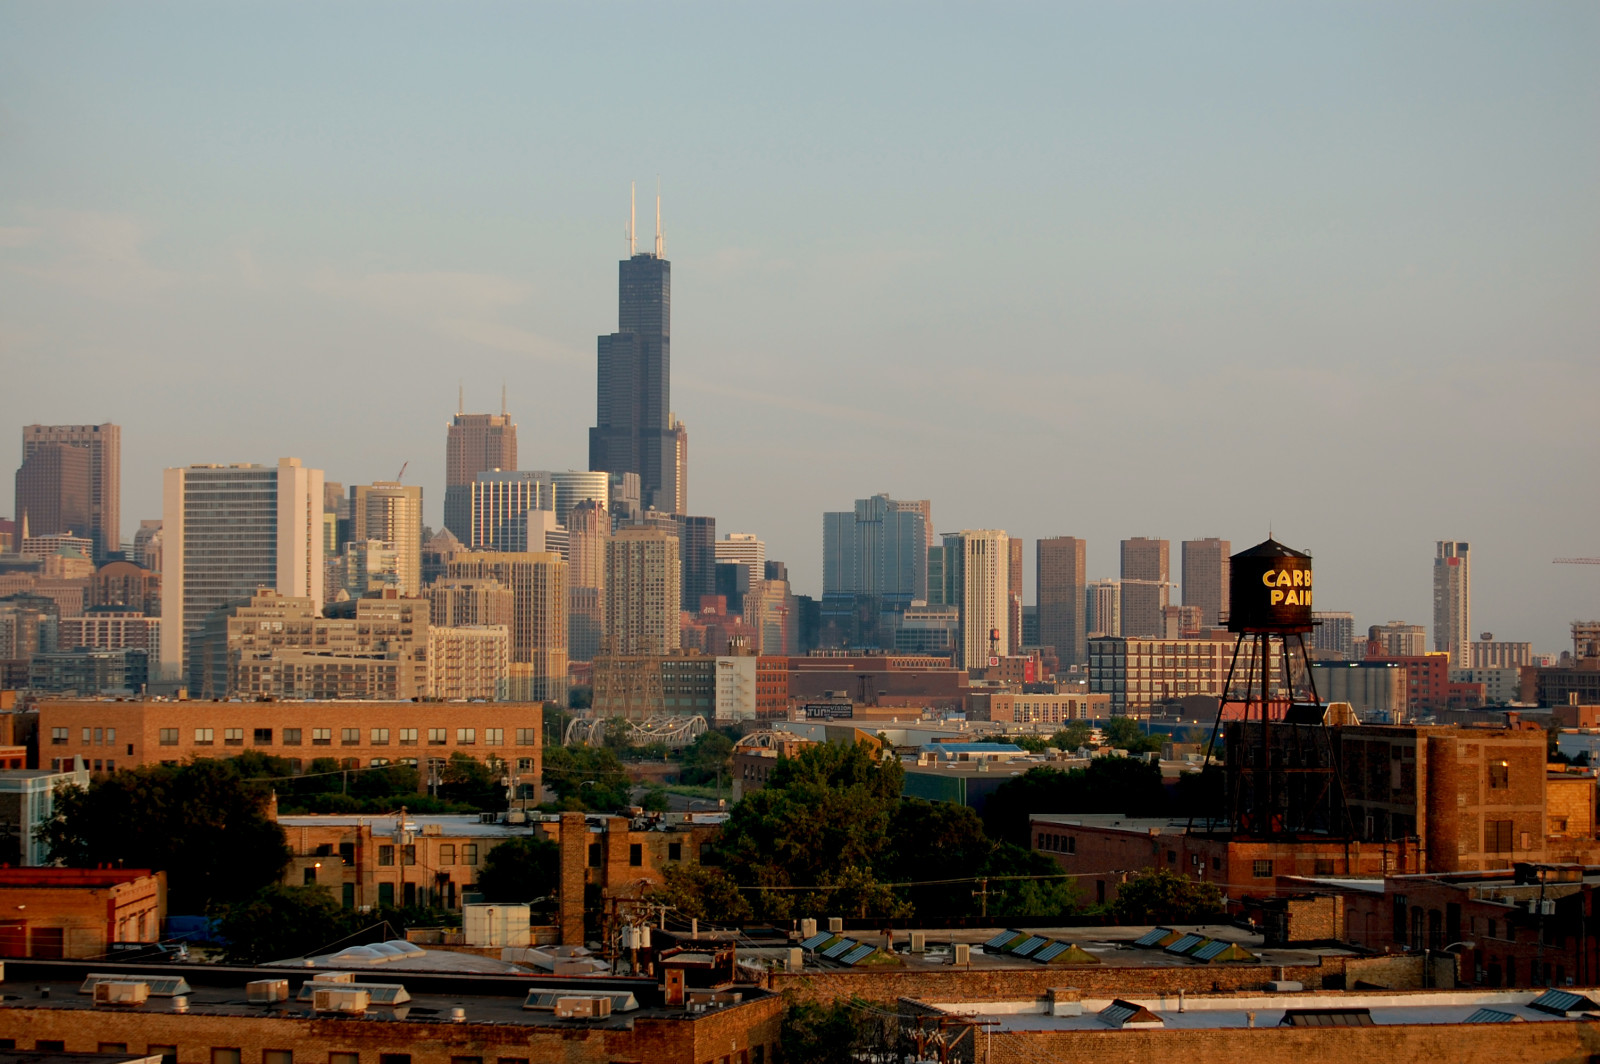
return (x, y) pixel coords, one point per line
(642, 591)
(538, 584)
(468, 662)
(279, 647)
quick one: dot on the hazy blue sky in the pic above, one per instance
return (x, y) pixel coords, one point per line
(1107, 270)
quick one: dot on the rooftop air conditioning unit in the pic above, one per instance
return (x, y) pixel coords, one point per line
(583, 1008)
(266, 991)
(963, 953)
(835, 924)
(350, 1002)
(121, 993)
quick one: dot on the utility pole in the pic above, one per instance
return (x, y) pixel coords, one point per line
(983, 893)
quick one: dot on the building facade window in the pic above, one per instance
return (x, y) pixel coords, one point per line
(233, 736)
(494, 736)
(436, 737)
(385, 856)
(59, 736)
(350, 736)
(469, 853)
(408, 737)
(1261, 869)
(447, 853)
(1499, 775)
(466, 736)
(527, 736)
(321, 736)
(204, 736)
(263, 737)
(380, 736)
(291, 737)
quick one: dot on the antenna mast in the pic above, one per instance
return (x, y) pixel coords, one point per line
(661, 244)
(633, 218)
(461, 397)
(502, 398)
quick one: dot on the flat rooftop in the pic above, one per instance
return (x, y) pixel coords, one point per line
(217, 990)
(1267, 1010)
(1112, 946)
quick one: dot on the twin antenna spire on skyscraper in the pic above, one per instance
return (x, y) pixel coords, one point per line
(633, 221)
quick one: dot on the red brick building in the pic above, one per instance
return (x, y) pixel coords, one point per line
(78, 912)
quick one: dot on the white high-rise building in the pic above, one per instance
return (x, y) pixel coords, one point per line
(1452, 602)
(229, 531)
(499, 506)
(391, 512)
(978, 568)
(1102, 607)
(745, 549)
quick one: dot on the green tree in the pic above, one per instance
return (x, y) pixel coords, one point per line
(655, 801)
(467, 780)
(702, 893)
(1108, 785)
(522, 869)
(1124, 733)
(1072, 736)
(587, 777)
(1160, 896)
(280, 922)
(709, 759)
(1034, 744)
(201, 823)
(843, 1032)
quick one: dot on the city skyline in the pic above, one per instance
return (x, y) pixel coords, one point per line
(1405, 318)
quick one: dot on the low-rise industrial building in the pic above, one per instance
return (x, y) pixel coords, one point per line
(78, 912)
(108, 733)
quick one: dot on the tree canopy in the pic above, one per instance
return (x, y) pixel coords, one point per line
(1160, 896)
(201, 823)
(1108, 785)
(523, 869)
(587, 778)
(830, 834)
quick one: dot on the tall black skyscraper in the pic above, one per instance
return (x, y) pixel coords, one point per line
(634, 430)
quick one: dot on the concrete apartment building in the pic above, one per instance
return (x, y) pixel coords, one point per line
(228, 532)
(112, 733)
(538, 583)
(1060, 577)
(977, 581)
(1452, 601)
(1334, 636)
(1395, 640)
(469, 662)
(588, 528)
(1102, 602)
(1140, 673)
(1499, 654)
(102, 445)
(1205, 579)
(391, 513)
(1146, 585)
(642, 592)
(280, 647)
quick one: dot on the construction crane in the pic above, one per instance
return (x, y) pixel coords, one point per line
(401, 475)
(1575, 561)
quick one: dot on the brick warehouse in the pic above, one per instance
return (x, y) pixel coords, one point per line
(377, 860)
(43, 1010)
(112, 733)
(1421, 799)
